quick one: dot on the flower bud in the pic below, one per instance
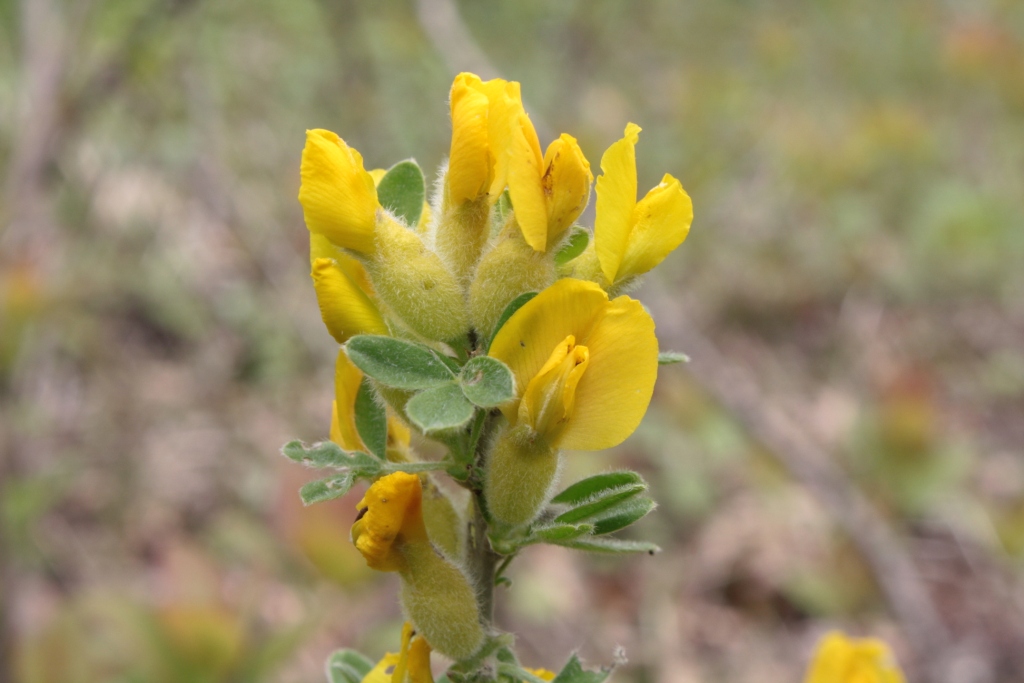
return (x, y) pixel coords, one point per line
(413, 282)
(521, 470)
(512, 267)
(338, 196)
(344, 306)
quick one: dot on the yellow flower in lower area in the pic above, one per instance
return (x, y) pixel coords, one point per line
(840, 659)
(390, 516)
(548, 192)
(584, 366)
(543, 673)
(410, 665)
(630, 237)
(338, 196)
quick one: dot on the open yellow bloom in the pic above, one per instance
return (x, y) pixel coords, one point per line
(410, 665)
(548, 192)
(849, 660)
(584, 366)
(338, 196)
(633, 237)
(481, 113)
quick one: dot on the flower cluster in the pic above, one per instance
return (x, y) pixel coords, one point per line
(485, 319)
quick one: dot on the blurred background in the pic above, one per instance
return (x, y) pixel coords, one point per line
(845, 450)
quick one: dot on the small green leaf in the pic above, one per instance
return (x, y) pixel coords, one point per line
(417, 467)
(371, 420)
(614, 546)
(562, 532)
(510, 310)
(518, 673)
(327, 489)
(672, 357)
(573, 672)
(592, 486)
(323, 454)
(442, 407)
(347, 666)
(573, 247)
(487, 382)
(398, 363)
(622, 515)
(599, 505)
(402, 191)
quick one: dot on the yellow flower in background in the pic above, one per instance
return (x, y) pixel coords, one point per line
(850, 660)
(481, 114)
(633, 237)
(410, 665)
(338, 196)
(584, 366)
(548, 192)
(390, 516)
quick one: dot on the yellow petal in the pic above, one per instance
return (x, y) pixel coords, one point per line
(390, 515)
(344, 307)
(614, 392)
(661, 221)
(525, 185)
(616, 197)
(379, 673)
(848, 660)
(543, 673)
(377, 174)
(566, 184)
(506, 105)
(321, 247)
(526, 341)
(469, 161)
(347, 378)
(337, 195)
(419, 661)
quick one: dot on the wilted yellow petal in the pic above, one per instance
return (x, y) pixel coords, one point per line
(390, 514)
(526, 341)
(616, 197)
(347, 378)
(661, 221)
(469, 163)
(613, 394)
(848, 660)
(566, 183)
(344, 307)
(525, 173)
(338, 196)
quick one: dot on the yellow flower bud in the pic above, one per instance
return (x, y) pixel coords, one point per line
(338, 196)
(344, 306)
(630, 237)
(848, 660)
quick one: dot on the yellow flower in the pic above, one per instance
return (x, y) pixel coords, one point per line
(543, 673)
(849, 660)
(410, 665)
(390, 516)
(338, 197)
(550, 192)
(344, 306)
(584, 366)
(633, 237)
(481, 112)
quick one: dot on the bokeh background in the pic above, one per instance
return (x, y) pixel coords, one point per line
(845, 450)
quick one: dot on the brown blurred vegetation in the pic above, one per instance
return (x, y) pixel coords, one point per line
(845, 450)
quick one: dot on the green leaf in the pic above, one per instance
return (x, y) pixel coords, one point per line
(371, 420)
(614, 546)
(573, 247)
(518, 673)
(562, 532)
(347, 666)
(573, 672)
(593, 486)
(672, 357)
(622, 515)
(442, 407)
(509, 311)
(398, 363)
(599, 505)
(327, 489)
(487, 382)
(402, 191)
(323, 454)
